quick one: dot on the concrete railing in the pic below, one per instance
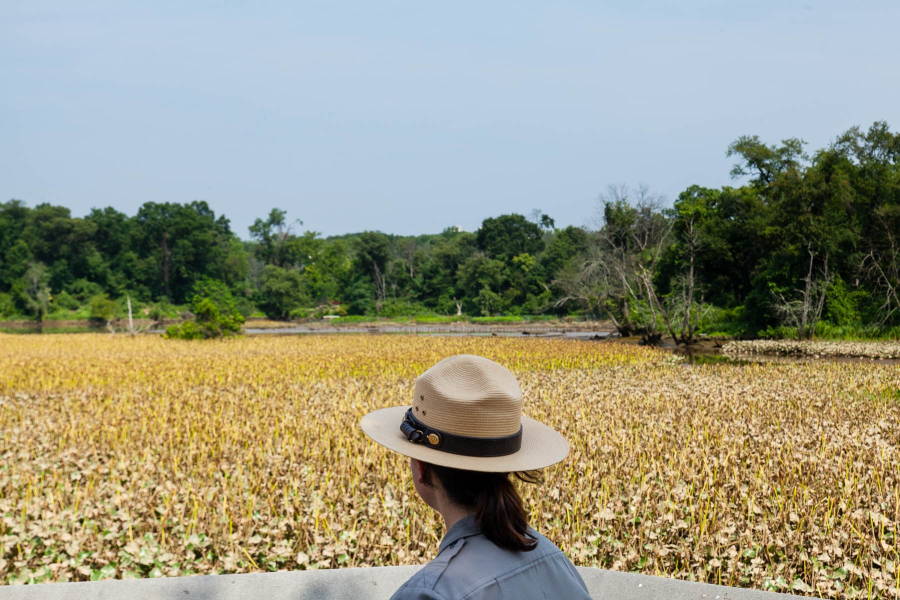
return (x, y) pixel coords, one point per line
(365, 584)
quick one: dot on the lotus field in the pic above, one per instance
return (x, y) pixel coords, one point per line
(143, 457)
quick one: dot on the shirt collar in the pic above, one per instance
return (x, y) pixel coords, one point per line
(465, 527)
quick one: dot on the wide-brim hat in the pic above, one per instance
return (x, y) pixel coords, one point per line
(467, 414)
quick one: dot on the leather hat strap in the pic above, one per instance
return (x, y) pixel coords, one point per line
(419, 433)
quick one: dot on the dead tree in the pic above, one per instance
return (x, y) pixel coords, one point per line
(458, 306)
(37, 291)
(130, 329)
(650, 236)
(805, 311)
(682, 310)
(380, 286)
(596, 284)
(881, 266)
(615, 276)
(409, 250)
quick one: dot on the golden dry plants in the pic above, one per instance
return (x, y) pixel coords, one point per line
(147, 457)
(879, 350)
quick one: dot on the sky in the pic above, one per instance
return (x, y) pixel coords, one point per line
(410, 117)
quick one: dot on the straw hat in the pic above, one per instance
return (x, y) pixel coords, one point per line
(467, 414)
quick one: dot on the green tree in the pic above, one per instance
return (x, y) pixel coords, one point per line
(438, 284)
(14, 252)
(765, 163)
(328, 267)
(359, 297)
(817, 231)
(870, 162)
(373, 251)
(274, 236)
(488, 302)
(509, 235)
(281, 292)
(565, 244)
(179, 244)
(477, 274)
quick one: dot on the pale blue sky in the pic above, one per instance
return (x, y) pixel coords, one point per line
(408, 117)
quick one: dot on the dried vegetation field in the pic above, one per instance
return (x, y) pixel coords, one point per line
(144, 457)
(879, 350)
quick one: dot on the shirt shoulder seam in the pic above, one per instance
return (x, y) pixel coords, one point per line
(487, 580)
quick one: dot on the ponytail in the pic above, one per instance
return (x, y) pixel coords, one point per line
(498, 508)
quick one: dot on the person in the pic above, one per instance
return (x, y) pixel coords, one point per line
(465, 435)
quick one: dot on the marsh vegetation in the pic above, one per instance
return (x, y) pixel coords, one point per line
(143, 457)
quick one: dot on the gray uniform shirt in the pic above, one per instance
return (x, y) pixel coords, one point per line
(470, 566)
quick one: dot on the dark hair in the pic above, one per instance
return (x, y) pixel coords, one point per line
(493, 497)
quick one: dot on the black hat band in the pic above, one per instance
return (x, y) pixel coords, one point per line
(419, 433)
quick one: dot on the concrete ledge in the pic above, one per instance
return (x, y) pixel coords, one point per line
(369, 584)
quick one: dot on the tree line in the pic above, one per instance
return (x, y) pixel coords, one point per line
(809, 240)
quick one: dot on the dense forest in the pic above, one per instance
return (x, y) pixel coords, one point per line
(808, 242)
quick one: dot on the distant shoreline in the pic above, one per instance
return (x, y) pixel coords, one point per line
(254, 326)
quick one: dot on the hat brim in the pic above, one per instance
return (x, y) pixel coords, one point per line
(542, 446)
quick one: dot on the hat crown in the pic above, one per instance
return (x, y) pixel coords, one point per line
(470, 396)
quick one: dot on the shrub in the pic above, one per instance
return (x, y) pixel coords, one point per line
(215, 315)
(163, 309)
(537, 304)
(488, 302)
(723, 322)
(7, 306)
(358, 298)
(245, 307)
(83, 290)
(101, 308)
(841, 304)
(66, 301)
(189, 330)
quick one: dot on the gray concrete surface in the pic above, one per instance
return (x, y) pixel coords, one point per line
(365, 584)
